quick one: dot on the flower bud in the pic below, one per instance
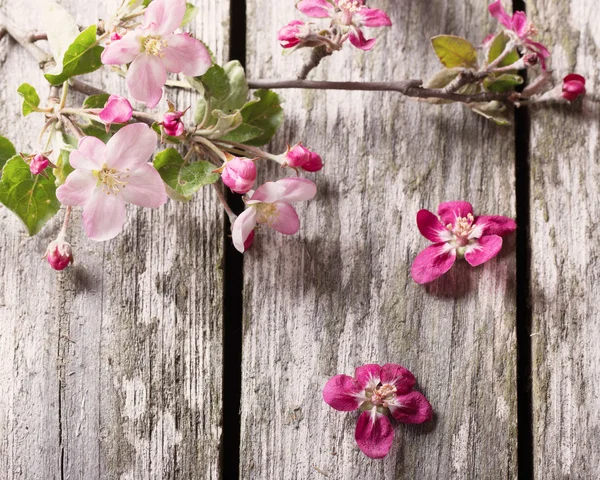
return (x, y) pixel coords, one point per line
(59, 254)
(573, 87)
(172, 123)
(38, 163)
(239, 174)
(299, 156)
(116, 110)
(288, 35)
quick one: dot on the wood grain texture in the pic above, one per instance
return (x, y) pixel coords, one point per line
(565, 155)
(112, 369)
(339, 294)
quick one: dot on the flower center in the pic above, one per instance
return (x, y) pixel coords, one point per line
(462, 229)
(112, 180)
(383, 394)
(348, 9)
(154, 45)
(531, 30)
(268, 213)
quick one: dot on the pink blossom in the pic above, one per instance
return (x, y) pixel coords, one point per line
(291, 34)
(239, 174)
(172, 123)
(38, 163)
(108, 176)
(378, 392)
(351, 15)
(270, 205)
(521, 30)
(59, 253)
(117, 110)
(299, 156)
(573, 87)
(153, 49)
(458, 234)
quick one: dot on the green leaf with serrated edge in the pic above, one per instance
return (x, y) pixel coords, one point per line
(502, 83)
(497, 47)
(62, 30)
(264, 112)
(31, 197)
(182, 177)
(454, 51)
(31, 100)
(191, 12)
(7, 151)
(96, 101)
(244, 133)
(495, 111)
(83, 56)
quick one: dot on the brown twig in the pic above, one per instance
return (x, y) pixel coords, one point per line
(44, 59)
(317, 54)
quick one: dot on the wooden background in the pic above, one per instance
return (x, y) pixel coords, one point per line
(114, 368)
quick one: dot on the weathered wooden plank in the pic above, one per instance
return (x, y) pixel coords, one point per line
(113, 367)
(564, 229)
(340, 295)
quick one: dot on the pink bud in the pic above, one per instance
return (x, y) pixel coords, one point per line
(59, 254)
(38, 164)
(288, 35)
(114, 36)
(172, 123)
(573, 87)
(116, 110)
(239, 174)
(301, 157)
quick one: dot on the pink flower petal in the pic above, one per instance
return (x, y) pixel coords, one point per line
(185, 54)
(431, 227)
(372, 17)
(411, 408)
(286, 190)
(340, 392)
(103, 216)
(145, 187)
(131, 147)
(483, 250)
(90, 154)
(268, 192)
(116, 110)
(286, 221)
(77, 188)
(242, 228)
(450, 211)
(164, 16)
(146, 78)
(432, 263)
(358, 39)
(498, 12)
(541, 51)
(315, 8)
(495, 225)
(400, 377)
(374, 434)
(368, 375)
(519, 24)
(120, 52)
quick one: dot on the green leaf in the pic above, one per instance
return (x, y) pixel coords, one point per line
(31, 100)
(191, 12)
(31, 197)
(83, 56)
(502, 83)
(96, 101)
(244, 133)
(440, 80)
(454, 51)
(497, 47)
(7, 150)
(183, 178)
(63, 167)
(495, 111)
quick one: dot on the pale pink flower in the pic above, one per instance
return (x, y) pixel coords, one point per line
(239, 174)
(291, 34)
(270, 205)
(299, 156)
(521, 30)
(378, 392)
(117, 110)
(108, 176)
(59, 253)
(573, 87)
(153, 49)
(458, 235)
(39, 162)
(351, 15)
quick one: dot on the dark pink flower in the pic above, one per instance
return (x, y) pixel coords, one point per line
(378, 392)
(299, 156)
(239, 174)
(520, 29)
(458, 234)
(59, 253)
(573, 87)
(172, 123)
(38, 163)
(117, 110)
(351, 15)
(291, 34)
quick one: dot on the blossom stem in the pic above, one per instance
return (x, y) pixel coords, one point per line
(507, 49)
(232, 216)
(70, 125)
(63, 97)
(317, 54)
(242, 149)
(211, 146)
(63, 230)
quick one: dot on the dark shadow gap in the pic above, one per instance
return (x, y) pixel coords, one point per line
(524, 313)
(233, 265)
